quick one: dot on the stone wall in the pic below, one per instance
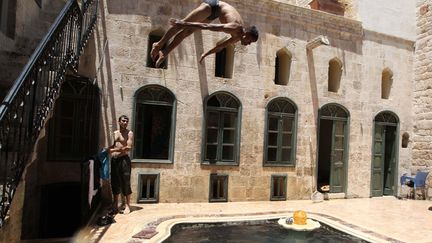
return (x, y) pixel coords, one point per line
(126, 26)
(422, 139)
(32, 24)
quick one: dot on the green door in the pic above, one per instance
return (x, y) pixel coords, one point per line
(378, 161)
(384, 160)
(337, 174)
(389, 160)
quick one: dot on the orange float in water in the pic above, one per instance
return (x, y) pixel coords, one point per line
(300, 217)
(299, 222)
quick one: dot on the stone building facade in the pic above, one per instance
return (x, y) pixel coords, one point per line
(363, 54)
(343, 101)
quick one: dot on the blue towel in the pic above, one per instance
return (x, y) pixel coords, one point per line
(104, 168)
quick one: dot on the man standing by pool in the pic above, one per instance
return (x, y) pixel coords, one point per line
(121, 164)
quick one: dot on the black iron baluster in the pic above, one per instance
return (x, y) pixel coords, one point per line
(24, 111)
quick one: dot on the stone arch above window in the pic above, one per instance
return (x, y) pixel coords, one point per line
(386, 83)
(223, 100)
(224, 62)
(281, 105)
(154, 123)
(155, 93)
(387, 117)
(282, 66)
(153, 37)
(334, 75)
(334, 110)
(221, 137)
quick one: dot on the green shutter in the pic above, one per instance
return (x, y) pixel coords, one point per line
(378, 161)
(337, 178)
(390, 159)
(139, 131)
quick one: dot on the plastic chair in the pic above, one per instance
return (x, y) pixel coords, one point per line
(403, 179)
(419, 181)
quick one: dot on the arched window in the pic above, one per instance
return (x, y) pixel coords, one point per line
(282, 67)
(222, 129)
(74, 126)
(334, 75)
(224, 62)
(154, 124)
(153, 37)
(386, 83)
(281, 117)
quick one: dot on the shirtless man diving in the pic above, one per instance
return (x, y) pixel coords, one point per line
(200, 18)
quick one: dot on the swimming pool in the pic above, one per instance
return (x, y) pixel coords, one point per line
(261, 231)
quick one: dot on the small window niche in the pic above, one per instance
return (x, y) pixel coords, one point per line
(334, 75)
(278, 188)
(282, 67)
(153, 37)
(386, 83)
(405, 140)
(224, 62)
(148, 190)
(218, 191)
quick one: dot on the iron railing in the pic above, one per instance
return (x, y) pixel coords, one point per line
(24, 110)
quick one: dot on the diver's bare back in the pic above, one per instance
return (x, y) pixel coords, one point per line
(229, 14)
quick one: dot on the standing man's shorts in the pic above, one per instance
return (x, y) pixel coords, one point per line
(120, 175)
(214, 4)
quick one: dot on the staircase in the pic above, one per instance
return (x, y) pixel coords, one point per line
(31, 98)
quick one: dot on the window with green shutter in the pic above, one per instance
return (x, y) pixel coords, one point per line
(222, 129)
(279, 143)
(154, 124)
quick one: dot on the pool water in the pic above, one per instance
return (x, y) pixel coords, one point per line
(254, 231)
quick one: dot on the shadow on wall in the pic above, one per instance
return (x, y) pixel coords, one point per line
(106, 80)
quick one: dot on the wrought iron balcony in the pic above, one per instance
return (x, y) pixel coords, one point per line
(24, 110)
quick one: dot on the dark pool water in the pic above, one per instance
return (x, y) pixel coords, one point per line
(254, 231)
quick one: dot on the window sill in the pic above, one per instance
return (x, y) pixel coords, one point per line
(220, 163)
(278, 199)
(278, 165)
(152, 161)
(148, 201)
(218, 200)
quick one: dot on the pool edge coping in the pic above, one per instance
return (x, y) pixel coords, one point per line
(164, 225)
